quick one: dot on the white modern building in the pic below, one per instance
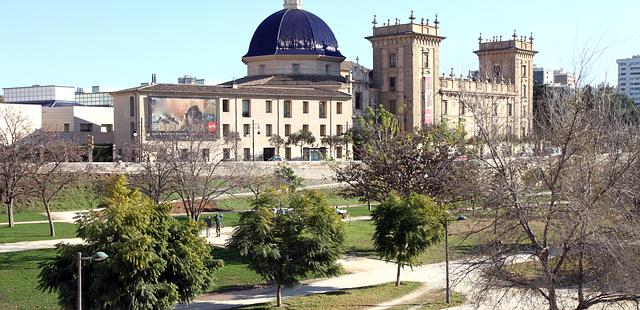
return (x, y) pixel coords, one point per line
(49, 95)
(542, 76)
(629, 77)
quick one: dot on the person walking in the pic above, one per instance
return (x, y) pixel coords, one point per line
(209, 225)
(218, 224)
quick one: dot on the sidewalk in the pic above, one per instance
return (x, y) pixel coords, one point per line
(35, 245)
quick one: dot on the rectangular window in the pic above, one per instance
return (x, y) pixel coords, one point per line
(226, 154)
(392, 106)
(305, 128)
(106, 128)
(225, 105)
(445, 107)
(246, 130)
(226, 129)
(295, 68)
(338, 107)
(327, 69)
(205, 155)
(67, 128)
(358, 100)
(287, 109)
(462, 109)
(524, 90)
(268, 107)
(287, 153)
(287, 130)
(524, 70)
(247, 154)
(305, 107)
(425, 59)
(510, 109)
(261, 69)
(392, 84)
(86, 127)
(323, 130)
(132, 107)
(339, 152)
(338, 130)
(392, 60)
(323, 109)
(246, 108)
(269, 130)
(497, 71)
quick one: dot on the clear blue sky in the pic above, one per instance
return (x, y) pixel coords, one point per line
(118, 44)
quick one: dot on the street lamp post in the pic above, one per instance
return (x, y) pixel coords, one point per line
(446, 255)
(253, 138)
(99, 256)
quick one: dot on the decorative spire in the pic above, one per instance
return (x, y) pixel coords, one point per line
(480, 38)
(357, 60)
(531, 38)
(374, 22)
(436, 22)
(515, 36)
(293, 4)
(412, 17)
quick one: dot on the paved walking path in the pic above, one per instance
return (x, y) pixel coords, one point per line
(35, 245)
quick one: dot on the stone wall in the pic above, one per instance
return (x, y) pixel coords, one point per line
(306, 170)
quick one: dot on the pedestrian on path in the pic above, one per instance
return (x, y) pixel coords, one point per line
(218, 224)
(209, 225)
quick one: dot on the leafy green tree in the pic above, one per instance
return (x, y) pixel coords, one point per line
(277, 142)
(301, 138)
(154, 260)
(286, 246)
(405, 228)
(287, 175)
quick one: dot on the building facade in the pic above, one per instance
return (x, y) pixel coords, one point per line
(48, 95)
(293, 84)
(406, 74)
(629, 77)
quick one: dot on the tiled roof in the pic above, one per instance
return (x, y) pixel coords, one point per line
(288, 80)
(224, 90)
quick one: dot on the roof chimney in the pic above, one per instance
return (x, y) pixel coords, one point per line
(293, 4)
(95, 89)
(153, 79)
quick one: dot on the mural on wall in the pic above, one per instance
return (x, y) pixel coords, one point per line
(182, 115)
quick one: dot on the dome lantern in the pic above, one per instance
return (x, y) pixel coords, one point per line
(293, 4)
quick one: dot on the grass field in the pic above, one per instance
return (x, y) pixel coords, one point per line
(23, 217)
(235, 274)
(19, 273)
(357, 298)
(33, 232)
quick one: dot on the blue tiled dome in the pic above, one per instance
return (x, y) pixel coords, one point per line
(293, 32)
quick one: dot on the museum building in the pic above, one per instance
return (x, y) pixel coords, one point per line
(293, 84)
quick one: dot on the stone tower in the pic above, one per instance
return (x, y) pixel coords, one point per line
(511, 62)
(405, 69)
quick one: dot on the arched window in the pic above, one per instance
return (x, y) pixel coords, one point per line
(132, 106)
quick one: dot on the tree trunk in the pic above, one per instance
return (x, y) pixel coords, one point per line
(9, 203)
(369, 204)
(553, 300)
(278, 295)
(398, 275)
(52, 229)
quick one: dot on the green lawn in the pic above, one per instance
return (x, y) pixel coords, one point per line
(33, 232)
(244, 203)
(19, 273)
(358, 298)
(23, 217)
(358, 242)
(235, 274)
(358, 238)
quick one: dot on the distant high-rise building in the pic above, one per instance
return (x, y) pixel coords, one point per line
(190, 80)
(542, 76)
(629, 77)
(564, 79)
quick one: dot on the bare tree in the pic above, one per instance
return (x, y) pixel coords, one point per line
(45, 178)
(233, 139)
(156, 178)
(569, 201)
(198, 171)
(15, 129)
